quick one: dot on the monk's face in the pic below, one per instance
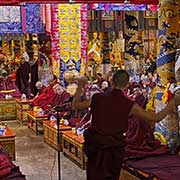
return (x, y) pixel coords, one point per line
(5, 77)
(136, 91)
(22, 60)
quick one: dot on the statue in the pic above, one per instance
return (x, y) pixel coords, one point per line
(71, 75)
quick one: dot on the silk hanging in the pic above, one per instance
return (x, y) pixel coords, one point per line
(34, 22)
(55, 40)
(10, 19)
(70, 31)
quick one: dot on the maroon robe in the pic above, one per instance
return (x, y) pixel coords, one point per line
(140, 141)
(22, 79)
(34, 78)
(6, 85)
(8, 170)
(48, 98)
(104, 140)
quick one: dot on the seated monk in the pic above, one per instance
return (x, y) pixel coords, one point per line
(140, 141)
(8, 87)
(49, 98)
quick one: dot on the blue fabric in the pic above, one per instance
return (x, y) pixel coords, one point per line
(10, 27)
(118, 7)
(159, 95)
(33, 19)
(164, 59)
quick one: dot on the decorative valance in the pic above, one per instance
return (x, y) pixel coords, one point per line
(21, 19)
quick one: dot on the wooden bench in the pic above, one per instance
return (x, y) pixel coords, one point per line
(8, 142)
(73, 148)
(35, 121)
(50, 133)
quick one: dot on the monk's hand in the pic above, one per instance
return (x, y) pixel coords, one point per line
(82, 81)
(58, 89)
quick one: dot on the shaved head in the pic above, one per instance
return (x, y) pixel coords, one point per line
(120, 79)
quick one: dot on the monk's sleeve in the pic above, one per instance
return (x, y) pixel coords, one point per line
(129, 104)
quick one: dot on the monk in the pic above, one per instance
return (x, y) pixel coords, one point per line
(140, 141)
(49, 98)
(104, 139)
(8, 87)
(23, 77)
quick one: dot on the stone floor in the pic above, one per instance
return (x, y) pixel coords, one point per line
(37, 160)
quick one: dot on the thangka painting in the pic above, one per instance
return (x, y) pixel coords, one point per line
(133, 43)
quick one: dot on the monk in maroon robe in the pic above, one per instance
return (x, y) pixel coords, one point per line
(104, 139)
(140, 141)
(8, 87)
(49, 98)
(23, 78)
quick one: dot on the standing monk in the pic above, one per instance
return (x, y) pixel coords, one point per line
(23, 77)
(104, 139)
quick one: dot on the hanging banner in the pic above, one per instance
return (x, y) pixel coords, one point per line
(70, 31)
(132, 43)
(34, 23)
(10, 19)
(55, 32)
(117, 7)
(86, 1)
(55, 40)
(83, 31)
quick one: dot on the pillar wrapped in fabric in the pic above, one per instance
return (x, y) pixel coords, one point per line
(168, 31)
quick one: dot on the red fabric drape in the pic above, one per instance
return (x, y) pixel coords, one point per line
(94, 1)
(9, 2)
(16, 2)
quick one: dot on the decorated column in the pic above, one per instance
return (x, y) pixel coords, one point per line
(168, 31)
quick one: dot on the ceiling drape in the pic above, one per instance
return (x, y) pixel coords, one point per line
(16, 2)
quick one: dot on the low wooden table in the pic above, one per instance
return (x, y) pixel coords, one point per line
(35, 121)
(8, 142)
(7, 109)
(73, 148)
(22, 106)
(50, 133)
(125, 175)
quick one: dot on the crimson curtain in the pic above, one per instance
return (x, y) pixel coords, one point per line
(16, 2)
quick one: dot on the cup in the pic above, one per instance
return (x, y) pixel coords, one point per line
(74, 130)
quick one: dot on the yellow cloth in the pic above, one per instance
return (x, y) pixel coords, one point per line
(165, 94)
(8, 91)
(70, 31)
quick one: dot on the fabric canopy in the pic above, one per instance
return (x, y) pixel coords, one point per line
(15, 2)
